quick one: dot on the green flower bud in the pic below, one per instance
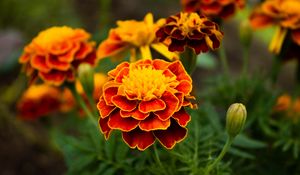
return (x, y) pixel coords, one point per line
(245, 33)
(235, 119)
(86, 77)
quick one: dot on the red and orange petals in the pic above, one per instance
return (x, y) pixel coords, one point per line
(190, 30)
(213, 8)
(55, 53)
(116, 121)
(142, 98)
(153, 123)
(38, 101)
(138, 139)
(174, 134)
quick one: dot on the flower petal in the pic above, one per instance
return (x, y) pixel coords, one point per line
(123, 103)
(171, 106)
(104, 109)
(53, 77)
(113, 73)
(152, 105)
(109, 90)
(39, 62)
(105, 129)
(116, 121)
(174, 134)
(138, 139)
(152, 122)
(182, 117)
(177, 68)
(185, 87)
(136, 114)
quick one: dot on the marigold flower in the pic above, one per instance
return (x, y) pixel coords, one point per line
(38, 101)
(213, 8)
(288, 106)
(55, 54)
(284, 14)
(192, 30)
(131, 35)
(146, 100)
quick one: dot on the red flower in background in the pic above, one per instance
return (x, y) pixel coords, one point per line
(38, 101)
(192, 30)
(213, 8)
(146, 100)
(55, 54)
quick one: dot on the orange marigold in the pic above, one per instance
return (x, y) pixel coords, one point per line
(213, 8)
(38, 101)
(192, 30)
(134, 36)
(146, 100)
(291, 107)
(284, 14)
(55, 54)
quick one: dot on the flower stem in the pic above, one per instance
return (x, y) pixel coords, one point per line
(245, 61)
(158, 160)
(224, 61)
(83, 105)
(220, 156)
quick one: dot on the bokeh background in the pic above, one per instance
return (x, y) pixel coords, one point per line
(25, 147)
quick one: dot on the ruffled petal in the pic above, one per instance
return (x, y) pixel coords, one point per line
(113, 73)
(152, 123)
(171, 106)
(116, 121)
(53, 77)
(152, 105)
(174, 134)
(177, 68)
(182, 117)
(123, 103)
(136, 114)
(185, 87)
(105, 129)
(104, 109)
(138, 139)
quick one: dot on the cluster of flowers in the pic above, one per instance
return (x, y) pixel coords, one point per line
(145, 98)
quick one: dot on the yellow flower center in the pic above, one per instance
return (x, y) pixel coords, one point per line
(53, 35)
(188, 22)
(146, 83)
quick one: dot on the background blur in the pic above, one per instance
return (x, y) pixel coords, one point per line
(20, 20)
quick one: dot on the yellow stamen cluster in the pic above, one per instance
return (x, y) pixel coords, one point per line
(146, 83)
(188, 22)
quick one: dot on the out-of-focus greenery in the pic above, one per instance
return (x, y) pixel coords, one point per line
(32, 16)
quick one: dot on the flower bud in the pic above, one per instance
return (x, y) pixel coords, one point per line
(235, 119)
(86, 77)
(245, 33)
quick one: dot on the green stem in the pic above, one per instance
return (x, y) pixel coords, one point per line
(220, 156)
(276, 65)
(83, 105)
(158, 160)
(224, 61)
(245, 61)
(92, 103)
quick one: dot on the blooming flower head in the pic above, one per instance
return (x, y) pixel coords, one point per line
(285, 14)
(288, 106)
(133, 36)
(38, 101)
(55, 54)
(213, 8)
(192, 30)
(146, 100)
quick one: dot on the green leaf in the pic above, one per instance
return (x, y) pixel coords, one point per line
(246, 142)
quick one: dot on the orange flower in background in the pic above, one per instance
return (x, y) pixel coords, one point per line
(285, 14)
(136, 37)
(192, 30)
(146, 100)
(291, 107)
(38, 101)
(213, 8)
(55, 54)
